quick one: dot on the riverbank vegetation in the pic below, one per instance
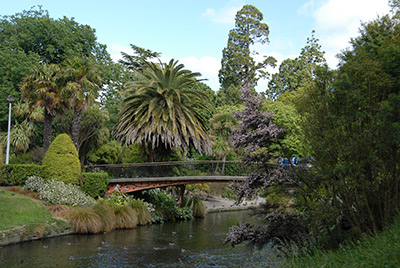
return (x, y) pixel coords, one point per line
(342, 124)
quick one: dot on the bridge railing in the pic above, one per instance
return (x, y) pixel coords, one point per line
(172, 169)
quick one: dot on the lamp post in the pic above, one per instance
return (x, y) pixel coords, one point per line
(10, 99)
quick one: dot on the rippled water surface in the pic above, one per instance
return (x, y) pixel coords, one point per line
(196, 243)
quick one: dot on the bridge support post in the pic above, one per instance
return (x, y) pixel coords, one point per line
(182, 188)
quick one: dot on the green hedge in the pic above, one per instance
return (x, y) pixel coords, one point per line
(17, 174)
(94, 184)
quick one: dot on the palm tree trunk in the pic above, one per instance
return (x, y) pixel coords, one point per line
(76, 126)
(47, 129)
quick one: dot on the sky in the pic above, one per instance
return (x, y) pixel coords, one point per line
(196, 31)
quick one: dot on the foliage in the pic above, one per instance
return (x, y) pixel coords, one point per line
(17, 210)
(42, 87)
(92, 132)
(57, 192)
(378, 251)
(229, 194)
(279, 227)
(354, 134)
(165, 206)
(94, 184)
(295, 73)
(83, 82)
(85, 220)
(139, 59)
(62, 160)
(237, 65)
(17, 174)
(110, 152)
(162, 111)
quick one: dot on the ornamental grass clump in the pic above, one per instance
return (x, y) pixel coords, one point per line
(197, 206)
(58, 211)
(85, 220)
(107, 216)
(125, 217)
(142, 210)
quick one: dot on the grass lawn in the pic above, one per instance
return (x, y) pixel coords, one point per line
(17, 210)
(380, 251)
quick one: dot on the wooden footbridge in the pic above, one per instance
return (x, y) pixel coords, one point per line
(140, 176)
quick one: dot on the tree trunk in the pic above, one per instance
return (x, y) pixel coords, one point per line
(47, 129)
(76, 126)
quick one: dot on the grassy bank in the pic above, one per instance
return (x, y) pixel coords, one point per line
(17, 210)
(382, 250)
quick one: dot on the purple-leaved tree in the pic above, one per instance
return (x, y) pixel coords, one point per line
(257, 134)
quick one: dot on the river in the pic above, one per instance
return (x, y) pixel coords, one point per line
(196, 243)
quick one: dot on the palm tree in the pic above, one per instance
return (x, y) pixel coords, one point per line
(83, 82)
(161, 109)
(42, 87)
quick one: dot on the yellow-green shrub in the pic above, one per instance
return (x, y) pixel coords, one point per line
(62, 161)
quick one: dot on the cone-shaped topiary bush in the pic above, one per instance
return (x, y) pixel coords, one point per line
(62, 161)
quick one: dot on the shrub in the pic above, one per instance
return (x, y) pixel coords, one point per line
(106, 214)
(17, 174)
(125, 217)
(34, 184)
(142, 210)
(94, 184)
(62, 161)
(59, 193)
(85, 220)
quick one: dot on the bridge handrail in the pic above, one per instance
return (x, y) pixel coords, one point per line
(169, 163)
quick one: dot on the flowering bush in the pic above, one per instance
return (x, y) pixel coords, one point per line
(34, 184)
(59, 193)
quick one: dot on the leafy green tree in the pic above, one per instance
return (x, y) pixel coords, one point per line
(83, 83)
(161, 110)
(42, 87)
(92, 132)
(294, 73)
(136, 61)
(238, 68)
(32, 37)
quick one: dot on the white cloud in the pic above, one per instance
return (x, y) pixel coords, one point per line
(336, 21)
(115, 51)
(226, 15)
(207, 66)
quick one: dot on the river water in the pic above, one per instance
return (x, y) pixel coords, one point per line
(196, 243)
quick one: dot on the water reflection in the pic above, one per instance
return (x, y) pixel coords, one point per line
(196, 243)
